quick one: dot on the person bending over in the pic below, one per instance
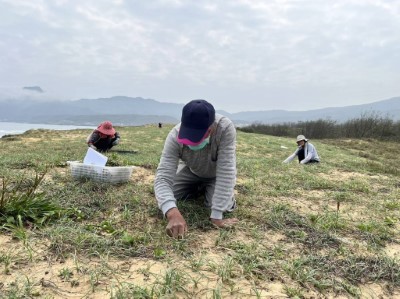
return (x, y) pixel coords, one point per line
(199, 158)
(104, 137)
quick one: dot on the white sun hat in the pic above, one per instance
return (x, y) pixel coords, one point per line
(301, 137)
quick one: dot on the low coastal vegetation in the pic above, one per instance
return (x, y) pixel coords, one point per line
(306, 231)
(368, 125)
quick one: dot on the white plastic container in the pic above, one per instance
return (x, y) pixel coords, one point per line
(106, 174)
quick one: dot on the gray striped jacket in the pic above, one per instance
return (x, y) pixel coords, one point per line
(217, 160)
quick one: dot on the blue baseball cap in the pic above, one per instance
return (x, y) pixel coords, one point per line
(197, 117)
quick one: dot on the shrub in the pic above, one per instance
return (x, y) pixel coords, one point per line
(21, 201)
(368, 125)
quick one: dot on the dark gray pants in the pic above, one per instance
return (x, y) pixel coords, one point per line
(187, 185)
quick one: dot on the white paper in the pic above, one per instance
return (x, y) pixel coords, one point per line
(94, 158)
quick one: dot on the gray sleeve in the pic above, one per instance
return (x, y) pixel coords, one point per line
(291, 157)
(166, 173)
(225, 174)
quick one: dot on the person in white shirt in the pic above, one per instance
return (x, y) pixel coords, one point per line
(305, 152)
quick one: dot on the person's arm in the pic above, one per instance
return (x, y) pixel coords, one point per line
(291, 157)
(225, 174)
(92, 139)
(163, 183)
(166, 172)
(310, 154)
(116, 139)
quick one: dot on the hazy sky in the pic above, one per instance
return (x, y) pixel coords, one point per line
(238, 54)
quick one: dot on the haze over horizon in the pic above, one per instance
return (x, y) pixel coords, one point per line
(240, 55)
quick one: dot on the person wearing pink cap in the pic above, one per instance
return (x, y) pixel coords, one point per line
(104, 137)
(199, 158)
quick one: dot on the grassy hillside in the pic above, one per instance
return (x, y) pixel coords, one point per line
(305, 232)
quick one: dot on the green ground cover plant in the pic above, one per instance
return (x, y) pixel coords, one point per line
(306, 231)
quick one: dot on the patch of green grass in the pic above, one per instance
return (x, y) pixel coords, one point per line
(299, 228)
(227, 269)
(328, 221)
(172, 282)
(6, 258)
(21, 287)
(130, 290)
(392, 205)
(374, 157)
(66, 274)
(376, 233)
(255, 260)
(315, 183)
(342, 196)
(308, 276)
(342, 274)
(196, 214)
(293, 292)
(356, 186)
(68, 237)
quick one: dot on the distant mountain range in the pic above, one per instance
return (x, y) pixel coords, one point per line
(127, 111)
(389, 108)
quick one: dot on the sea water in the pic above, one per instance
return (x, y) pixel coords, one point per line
(18, 128)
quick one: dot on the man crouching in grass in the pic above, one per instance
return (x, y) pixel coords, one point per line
(199, 154)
